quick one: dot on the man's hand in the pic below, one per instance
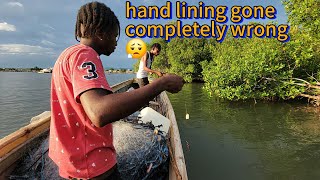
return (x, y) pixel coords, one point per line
(173, 83)
(159, 73)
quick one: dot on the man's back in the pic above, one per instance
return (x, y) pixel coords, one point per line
(78, 147)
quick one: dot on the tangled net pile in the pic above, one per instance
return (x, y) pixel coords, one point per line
(36, 163)
(141, 154)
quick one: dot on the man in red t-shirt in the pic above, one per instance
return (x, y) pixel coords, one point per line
(82, 104)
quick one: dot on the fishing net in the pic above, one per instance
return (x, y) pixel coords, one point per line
(36, 163)
(141, 154)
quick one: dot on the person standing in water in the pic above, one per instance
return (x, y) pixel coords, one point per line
(83, 105)
(146, 63)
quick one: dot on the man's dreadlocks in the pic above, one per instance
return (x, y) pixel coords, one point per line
(96, 19)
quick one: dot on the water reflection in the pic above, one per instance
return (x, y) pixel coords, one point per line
(247, 140)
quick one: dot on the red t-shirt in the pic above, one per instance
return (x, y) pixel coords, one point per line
(80, 149)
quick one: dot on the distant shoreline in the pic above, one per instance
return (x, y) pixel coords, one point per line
(18, 70)
(37, 70)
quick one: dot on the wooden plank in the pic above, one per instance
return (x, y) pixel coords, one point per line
(23, 134)
(175, 141)
(122, 85)
(9, 161)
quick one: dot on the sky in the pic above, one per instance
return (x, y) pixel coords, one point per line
(35, 32)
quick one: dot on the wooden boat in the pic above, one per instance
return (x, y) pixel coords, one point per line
(15, 145)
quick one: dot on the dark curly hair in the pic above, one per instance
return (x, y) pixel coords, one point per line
(96, 19)
(156, 45)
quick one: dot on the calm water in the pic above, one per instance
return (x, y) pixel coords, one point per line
(227, 140)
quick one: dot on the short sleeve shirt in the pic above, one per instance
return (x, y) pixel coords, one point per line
(80, 149)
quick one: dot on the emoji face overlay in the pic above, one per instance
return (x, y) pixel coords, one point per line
(136, 48)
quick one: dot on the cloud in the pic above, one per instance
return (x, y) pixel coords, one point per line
(47, 35)
(14, 4)
(48, 43)
(7, 27)
(48, 26)
(23, 49)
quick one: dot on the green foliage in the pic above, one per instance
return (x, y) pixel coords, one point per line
(304, 13)
(161, 61)
(264, 68)
(185, 57)
(36, 68)
(304, 47)
(249, 68)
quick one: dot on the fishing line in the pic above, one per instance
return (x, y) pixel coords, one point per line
(185, 105)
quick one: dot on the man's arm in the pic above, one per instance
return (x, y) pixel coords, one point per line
(144, 61)
(103, 108)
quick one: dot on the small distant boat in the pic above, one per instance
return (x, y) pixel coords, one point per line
(48, 70)
(15, 145)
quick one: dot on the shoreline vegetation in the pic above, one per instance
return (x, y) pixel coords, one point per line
(256, 68)
(49, 70)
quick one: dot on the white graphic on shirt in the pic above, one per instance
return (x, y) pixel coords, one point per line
(93, 165)
(73, 137)
(91, 70)
(78, 149)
